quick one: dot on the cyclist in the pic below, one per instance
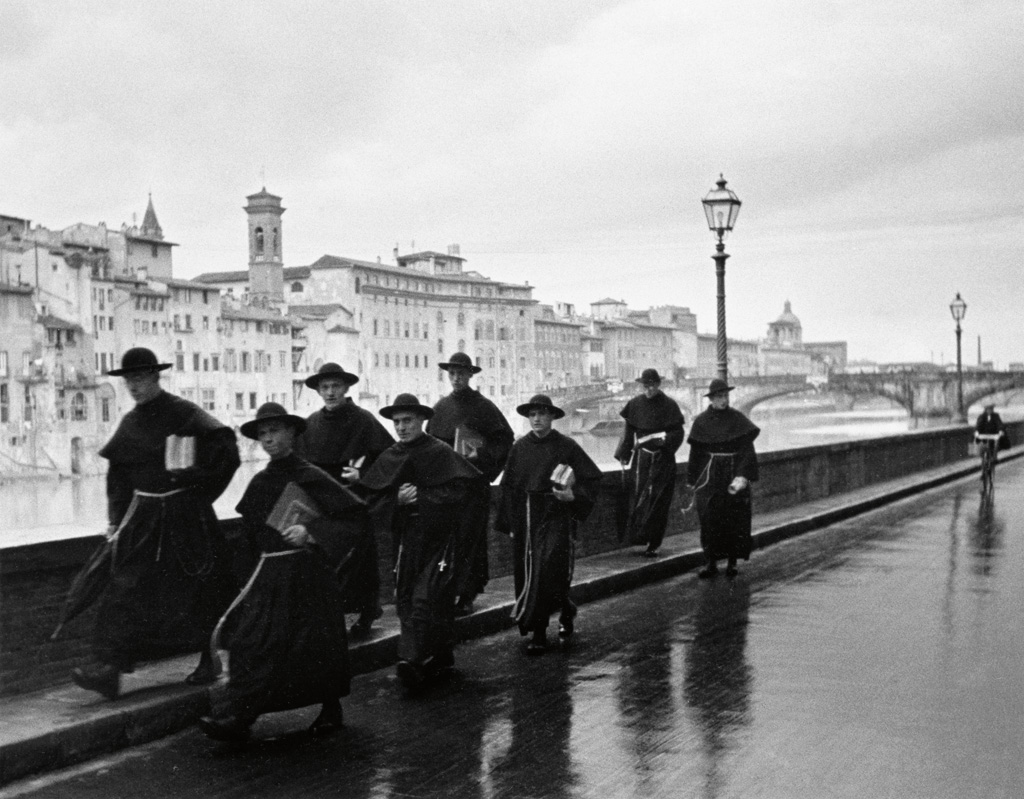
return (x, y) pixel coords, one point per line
(989, 430)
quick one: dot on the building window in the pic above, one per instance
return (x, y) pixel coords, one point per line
(239, 401)
(296, 287)
(3, 363)
(28, 403)
(252, 400)
(105, 409)
(188, 321)
(78, 413)
(215, 362)
(179, 361)
(258, 244)
(195, 361)
(5, 403)
(155, 251)
(209, 399)
(206, 323)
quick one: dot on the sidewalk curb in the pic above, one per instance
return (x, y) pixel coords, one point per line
(152, 713)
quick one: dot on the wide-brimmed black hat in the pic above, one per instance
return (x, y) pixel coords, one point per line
(649, 376)
(717, 386)
(461, 361)
(267, 411)
(406, 402)
(542, 402)
(138, 359)
(331, 370)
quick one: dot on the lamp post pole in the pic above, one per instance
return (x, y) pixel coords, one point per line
(958, 308)
(721, 206)
(722, 342)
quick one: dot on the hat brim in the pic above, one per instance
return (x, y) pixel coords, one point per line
(130, 370)
(526, 407)
(448, 366)
(313, 381)
(390, 411)
(725, 390)
(250, 428)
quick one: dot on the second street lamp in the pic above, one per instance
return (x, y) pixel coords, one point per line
(721, 207)
(959, 310)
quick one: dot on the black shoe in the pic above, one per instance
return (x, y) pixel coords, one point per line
(708, 572)
(229, 728)
(329, 721)
(409, 674)
(105, 680)
(567, 624)
(206, 672)
(539, 644)
(731, 571)
(464, 607)
(649, 553)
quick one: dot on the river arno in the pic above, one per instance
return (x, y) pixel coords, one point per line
(40, 510)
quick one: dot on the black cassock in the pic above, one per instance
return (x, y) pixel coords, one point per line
(652, 470)
(170, 578)
(544, 528)
(428, 533)
(474, 413)
(285, 631)
(722, 448)
(333, 440)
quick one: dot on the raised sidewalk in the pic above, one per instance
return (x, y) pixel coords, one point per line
(55, 728)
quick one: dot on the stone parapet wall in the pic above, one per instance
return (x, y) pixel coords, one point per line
(34, 578)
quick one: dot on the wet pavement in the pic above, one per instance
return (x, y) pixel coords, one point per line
(877, 657)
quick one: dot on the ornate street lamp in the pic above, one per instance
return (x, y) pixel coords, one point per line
(721, 207)
(959, 310)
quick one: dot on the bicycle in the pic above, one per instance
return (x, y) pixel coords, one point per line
(987, 445)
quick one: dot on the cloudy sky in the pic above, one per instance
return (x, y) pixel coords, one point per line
(877, 146)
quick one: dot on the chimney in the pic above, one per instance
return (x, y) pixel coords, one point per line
(396, 252)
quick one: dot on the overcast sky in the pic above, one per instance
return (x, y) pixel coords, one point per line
(877, 146)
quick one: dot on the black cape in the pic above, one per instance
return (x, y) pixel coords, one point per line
(470, 409)
(426, 533)
(652, 471)
(333, 439)
(170, 576)
(544, 528)
(722, 448)
(286, 630)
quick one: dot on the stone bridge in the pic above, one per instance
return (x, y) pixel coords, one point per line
(924, 394)
(750, 391)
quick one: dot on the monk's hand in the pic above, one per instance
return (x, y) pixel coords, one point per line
(738, 484)
(297, 535)
(406, 494)
(350, 473)
(563, 494)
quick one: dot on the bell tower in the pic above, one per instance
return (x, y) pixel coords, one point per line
(266, 267)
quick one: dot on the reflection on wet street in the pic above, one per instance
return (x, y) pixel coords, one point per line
(880, 657)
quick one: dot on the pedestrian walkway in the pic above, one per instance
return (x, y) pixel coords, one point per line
(55, 728)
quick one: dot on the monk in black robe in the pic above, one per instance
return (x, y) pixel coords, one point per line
(285, 631)
(171, 577)
(427, 484)
(474, 427)
(654, 431)
(542, 509)
(344, 440)
(721, 468)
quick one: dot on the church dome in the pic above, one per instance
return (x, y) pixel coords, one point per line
(788, 318)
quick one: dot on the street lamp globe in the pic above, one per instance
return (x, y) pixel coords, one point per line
(721, 207)
(958, 308)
